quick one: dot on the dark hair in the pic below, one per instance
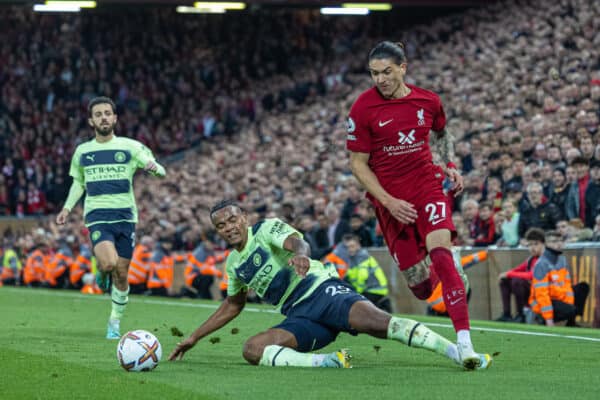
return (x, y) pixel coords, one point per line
(350, 236)
(579, 160)
(387, 49)
(486, 204)
(101, 100)
(554, 234)
(224, 203)
(561, 170)
(535, 234)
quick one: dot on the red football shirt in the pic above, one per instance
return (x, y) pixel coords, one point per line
(395, 132)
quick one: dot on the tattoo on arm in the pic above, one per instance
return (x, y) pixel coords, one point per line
(442, 142)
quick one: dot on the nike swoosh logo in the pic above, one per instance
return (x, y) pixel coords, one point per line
(438, 221)
(382, 124)
(454, 302)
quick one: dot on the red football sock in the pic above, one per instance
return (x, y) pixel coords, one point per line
(453, 288)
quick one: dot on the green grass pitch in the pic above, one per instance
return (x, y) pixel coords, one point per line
(52, 346)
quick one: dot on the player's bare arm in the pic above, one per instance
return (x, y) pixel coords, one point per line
(301, 259)
(229, 309)
(402, 210)
(442, 142)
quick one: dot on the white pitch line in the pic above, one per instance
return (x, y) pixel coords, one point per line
(518, 332)
(272, 311)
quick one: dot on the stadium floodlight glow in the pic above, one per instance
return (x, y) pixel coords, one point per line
(55, 8)
(80, 4)
(344, 11)
(224, 5)
(370, 6)
(194, 10)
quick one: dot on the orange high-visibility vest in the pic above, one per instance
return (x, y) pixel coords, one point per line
(139, 267)
(551, 281)
(34, 270)
(338, 262)
(436, 300)
(161, 271)
(81, 266)
(57, 265)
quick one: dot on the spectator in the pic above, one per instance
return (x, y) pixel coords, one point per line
(485, 230)
(359, 229)
(538, 214)
(575, 204)
(517, 281)
(592, 195)
(558, 192)
(509, 228)
(553, 298)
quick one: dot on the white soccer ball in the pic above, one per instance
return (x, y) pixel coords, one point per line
(139, 351)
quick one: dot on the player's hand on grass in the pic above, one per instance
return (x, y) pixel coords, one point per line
(181, 348)
(301, 264)
(402, 210)
(457, 181)
(61, 218)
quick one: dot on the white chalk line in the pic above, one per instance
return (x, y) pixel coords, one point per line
(140, 299)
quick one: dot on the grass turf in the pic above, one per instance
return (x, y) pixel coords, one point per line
(52, 346)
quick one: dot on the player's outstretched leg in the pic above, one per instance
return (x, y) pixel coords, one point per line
(365, 317)
(278, 347)
(279, 356)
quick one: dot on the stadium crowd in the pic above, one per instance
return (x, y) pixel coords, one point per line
(256, 111)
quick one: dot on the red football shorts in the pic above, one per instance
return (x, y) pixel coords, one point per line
(406, 243)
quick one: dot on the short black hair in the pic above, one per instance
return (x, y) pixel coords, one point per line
(350, 236)
(222, 204)
(387, 49)
(580, 160)
(101, 100)
(535, 234)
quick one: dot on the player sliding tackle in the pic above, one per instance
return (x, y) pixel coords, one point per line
(272, 259)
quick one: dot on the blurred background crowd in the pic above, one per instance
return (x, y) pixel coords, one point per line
(253, 107)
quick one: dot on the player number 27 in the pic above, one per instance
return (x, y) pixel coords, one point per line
(432, 209)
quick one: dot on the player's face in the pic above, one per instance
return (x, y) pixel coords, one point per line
(103, 119)
(232, 225)
(387, 76)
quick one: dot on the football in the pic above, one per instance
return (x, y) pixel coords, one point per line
(139, 351)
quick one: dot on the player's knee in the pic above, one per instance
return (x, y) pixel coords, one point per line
(107, 263)
(253, 351)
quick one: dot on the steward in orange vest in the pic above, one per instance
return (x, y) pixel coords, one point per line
(34, 272)
(58, 266)
(160, 275)
(552, 296)
(139, 267)
(201, 270)
(81, 266)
